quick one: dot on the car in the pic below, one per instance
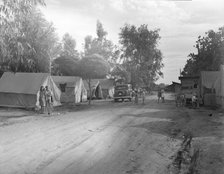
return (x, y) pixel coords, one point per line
(122, 92)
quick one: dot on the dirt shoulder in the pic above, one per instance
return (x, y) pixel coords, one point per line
(207, 127)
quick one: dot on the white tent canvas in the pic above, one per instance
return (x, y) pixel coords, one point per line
(209, 86)
(96, 90)
(107, 86)
(215, 81)
(22, 89)
(72, 89)
(219, 87)
(208, 78)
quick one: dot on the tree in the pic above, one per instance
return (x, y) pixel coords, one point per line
(101, 33)
(69, 45)
(141, 57)
(11, 8)
(93, 67)
(66, 66)
(30, 45)
(119, 72)
(99, 45)
(28, 41)
(210, 53)
(67, 62)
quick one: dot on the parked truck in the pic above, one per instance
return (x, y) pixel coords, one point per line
(122, 91)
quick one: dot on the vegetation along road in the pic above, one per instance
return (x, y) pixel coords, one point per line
(113, 138)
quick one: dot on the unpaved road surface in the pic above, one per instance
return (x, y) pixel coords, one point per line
(109, 138)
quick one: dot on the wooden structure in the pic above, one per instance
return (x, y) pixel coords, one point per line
(190, 85)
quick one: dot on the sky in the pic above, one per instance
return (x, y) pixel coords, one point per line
(180, 23)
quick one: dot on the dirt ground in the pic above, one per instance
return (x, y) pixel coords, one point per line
(109, 138)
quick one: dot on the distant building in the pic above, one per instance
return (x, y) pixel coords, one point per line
(174, 87)
(190, 85)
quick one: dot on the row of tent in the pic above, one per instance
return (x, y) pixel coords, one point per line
(22, 89)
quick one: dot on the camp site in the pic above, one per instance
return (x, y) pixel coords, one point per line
(111, 87)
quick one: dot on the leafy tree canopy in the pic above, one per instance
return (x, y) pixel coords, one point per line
(28, 45)
(11, 8)
(99, 45)
(141, 57)
(93, 67)
(119, 72)
(69, 45)
(66, 66)
(210, 53)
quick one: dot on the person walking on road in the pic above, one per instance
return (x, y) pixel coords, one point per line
(42, 100)
(49, 100)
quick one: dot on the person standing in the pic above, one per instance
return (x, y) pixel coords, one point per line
(159, 95)
(48, 98)
(163, 95)
(42, 100)
(143, 96)
(136, 96)
(133, 95)
(194, 100)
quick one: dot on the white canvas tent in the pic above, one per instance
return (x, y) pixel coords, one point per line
(22, 89)
(107, 86)
(219, 87)
(209, 87)
(96, 90)
(72, 89)
(208, 78)
(215, 81)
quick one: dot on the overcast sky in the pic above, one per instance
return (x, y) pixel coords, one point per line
(180, 23)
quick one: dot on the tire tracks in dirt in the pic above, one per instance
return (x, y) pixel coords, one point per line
(41, 167)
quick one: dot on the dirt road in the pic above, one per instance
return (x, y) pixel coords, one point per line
(109, 138)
